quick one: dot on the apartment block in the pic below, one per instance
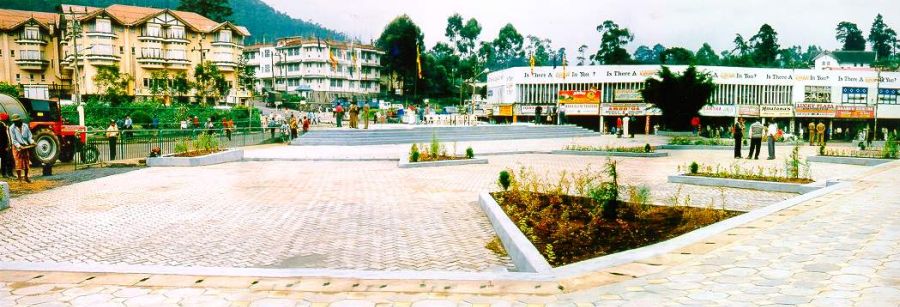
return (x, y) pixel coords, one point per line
(29, 42)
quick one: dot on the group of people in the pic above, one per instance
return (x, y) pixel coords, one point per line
(757, 133)
(354, 112)
(816, 133)
(16, 143)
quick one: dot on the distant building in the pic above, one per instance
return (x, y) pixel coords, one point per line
(30, 50)
(304, 66)
(844, 60)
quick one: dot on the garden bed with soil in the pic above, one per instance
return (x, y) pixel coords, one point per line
(637, 151)
(191, 158)
(863, 161)
(770, 186)
(442, 161)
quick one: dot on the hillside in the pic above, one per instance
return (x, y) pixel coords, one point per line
(263, 21)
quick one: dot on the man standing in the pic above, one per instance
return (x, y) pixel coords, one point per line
(625, 122)
(537, 115)
(112, 134)
(339, 115)
(354, 113)
(757, 130)
(366, 114)
(562, 114)
(293, 125)
(738, 134)
(129, 124)
(695, 123)
(7, 164)
(812, 133)
(771, 134)
(20, 136)
(820, 133)
(617, 130)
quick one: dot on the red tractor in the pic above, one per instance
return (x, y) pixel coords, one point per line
(54, 139)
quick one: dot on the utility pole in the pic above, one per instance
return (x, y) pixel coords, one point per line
(202, 62)
(74, 33)
(877, 98)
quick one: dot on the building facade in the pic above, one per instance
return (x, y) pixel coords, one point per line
(320, 70)
(149, 44)
(847, 99)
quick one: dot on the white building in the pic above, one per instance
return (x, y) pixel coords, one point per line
(794, 97)
(305, 66)
(844, 60)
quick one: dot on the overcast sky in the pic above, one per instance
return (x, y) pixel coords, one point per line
(571, 23)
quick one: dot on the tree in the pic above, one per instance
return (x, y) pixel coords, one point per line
(706, 56)
(180, 86)
(218, 10)
(679, 96)
(112, 84)
(582, 57)
(508, 47)
(765, 46)
(882, 38)
(9, 89)
(540, 49)
(209, 82)
(850, 35)
(791, 57)
(612, 42)
(401, 40)
(676, 56)
(645, 55)
(159, 83)
(246, 76)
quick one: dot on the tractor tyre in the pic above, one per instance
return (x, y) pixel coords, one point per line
(47, 148)
(90, 154)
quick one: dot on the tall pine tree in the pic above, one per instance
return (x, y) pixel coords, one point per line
(850, 35)
(218, 10)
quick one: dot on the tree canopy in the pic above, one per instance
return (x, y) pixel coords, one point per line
(218, 10)
(401, 41)
(612, 44)
(850, 35)
(882, 38)
(679, 96)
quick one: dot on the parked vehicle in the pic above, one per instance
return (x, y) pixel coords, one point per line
(53, 137)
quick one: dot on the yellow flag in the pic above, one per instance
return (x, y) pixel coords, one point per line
(564, 65)
(331, 57)
(531, 60)
(418, 61)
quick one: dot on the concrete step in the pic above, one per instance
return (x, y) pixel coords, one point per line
(444, 134)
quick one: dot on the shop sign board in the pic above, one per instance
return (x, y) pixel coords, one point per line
(627, 95)
(620, 109)
(776, 111)
(529, 109)
(581, 109)
(824, 110)
(718, 110)
(506, 110)
(588, 96)
(851, 111)
(749, 111)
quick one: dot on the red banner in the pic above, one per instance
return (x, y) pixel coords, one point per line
(588, 96)
(845, 111)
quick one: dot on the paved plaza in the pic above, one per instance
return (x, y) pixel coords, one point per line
(285, 212)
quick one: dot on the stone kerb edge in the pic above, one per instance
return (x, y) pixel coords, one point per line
(610, 153)
(4, 202)
(231, 155)
(747, 184)
(848, 160)
(522, 252)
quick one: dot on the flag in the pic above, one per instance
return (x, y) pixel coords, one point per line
(331, 57)
(531, 61)
(353, 59)
(318, 43)
(563, 55)
(418, 61)
(554, 61)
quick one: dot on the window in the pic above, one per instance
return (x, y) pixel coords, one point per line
(176, 32)
(225, 36)
(821, 94)
(888, 95)
(43, 78)
(151, 53)
(102, 49)
(102, 25)
(12, 53)
(267, 54)
(854, 95)
(153, 30)
(31, 55)
(222, 57)
(32, 33)
(177, 54)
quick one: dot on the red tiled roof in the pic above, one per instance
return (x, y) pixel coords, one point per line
(12, 19)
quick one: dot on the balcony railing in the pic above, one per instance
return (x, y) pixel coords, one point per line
(30, 37)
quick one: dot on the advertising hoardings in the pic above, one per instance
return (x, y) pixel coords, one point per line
(818, 94)
(573, 109)
(718, 110)
(825, 110)
(529, 110)
(776, 111)
(505, 110)
(620, 109)
(588, 96)
(850, 111)
(627, 95)
(748, 111)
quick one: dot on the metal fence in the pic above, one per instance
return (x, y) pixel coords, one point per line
(134, 144)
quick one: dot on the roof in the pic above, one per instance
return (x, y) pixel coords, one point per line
(12, 19)
(133, 15)
(864, 57)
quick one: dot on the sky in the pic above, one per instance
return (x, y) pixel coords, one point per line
(571, 23)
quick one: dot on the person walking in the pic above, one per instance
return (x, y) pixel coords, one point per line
(738, 134)
(625, 122)
(757, 130)
(7, 164)
(562, 114)
(293, 126)
(305, 125)
(354, 113)
(695, 123)
(820, 133)
(229, 128)
(771, 134)
(366, 114)
(537, 115)
(812, 133)
(209, 126)
(339, 115)
(23, 142)
(112, 135)
(617, 130)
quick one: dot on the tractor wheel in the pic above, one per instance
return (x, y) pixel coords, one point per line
(67, 154)
(90, 154)
(47, 147)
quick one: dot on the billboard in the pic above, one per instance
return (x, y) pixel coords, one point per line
(529, 109)
(627, 95)
(588, 96)
(815, 110)
(582, 109)
(751, 111)
(719, 110)
(505, 110)
(776, 111)
(848, 111)
(620, 109)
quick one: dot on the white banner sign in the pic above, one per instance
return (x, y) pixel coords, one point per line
(529, 110)
(776, 111)
(582, 109)
(718, 110)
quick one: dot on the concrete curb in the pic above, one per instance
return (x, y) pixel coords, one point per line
(231, 155)
(4, 198)
(524, 255)
(711, 147)
(318, 159)
(848, 160)
(404, 162)
(747, 184)
(610, 153)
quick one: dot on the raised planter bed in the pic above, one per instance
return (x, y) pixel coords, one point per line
(695, 147)
(848, 160)
(524, 255)
(747, 184)
(4, 198)
(231, 155)
(610, 153)
(404, 162)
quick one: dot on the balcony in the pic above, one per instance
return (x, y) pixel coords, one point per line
(176, 38)
(32, 63)
(176, 62)
(155, 37)
(226, 65)
(93, 32)
(151, 61)
(31, 38)
(227, 43)
(374, 63)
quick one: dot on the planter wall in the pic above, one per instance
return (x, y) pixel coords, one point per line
(523, 254)
(747, 184)
(848, 160)
(4, 201)
(610, 153)
(404, 162)
(231, 155)
(696, 147)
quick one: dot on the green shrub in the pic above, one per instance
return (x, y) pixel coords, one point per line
(206, 142)
(694, 168)
(182, 146)
(470, 153)
(140, 117)
(414, 153)
(890, 147)
(504, 180)
(435, 148)
(647, 148)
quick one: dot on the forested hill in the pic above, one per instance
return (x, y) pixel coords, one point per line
(263, 21)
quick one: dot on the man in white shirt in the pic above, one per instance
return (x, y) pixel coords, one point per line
(771, 134)
(625, 122)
